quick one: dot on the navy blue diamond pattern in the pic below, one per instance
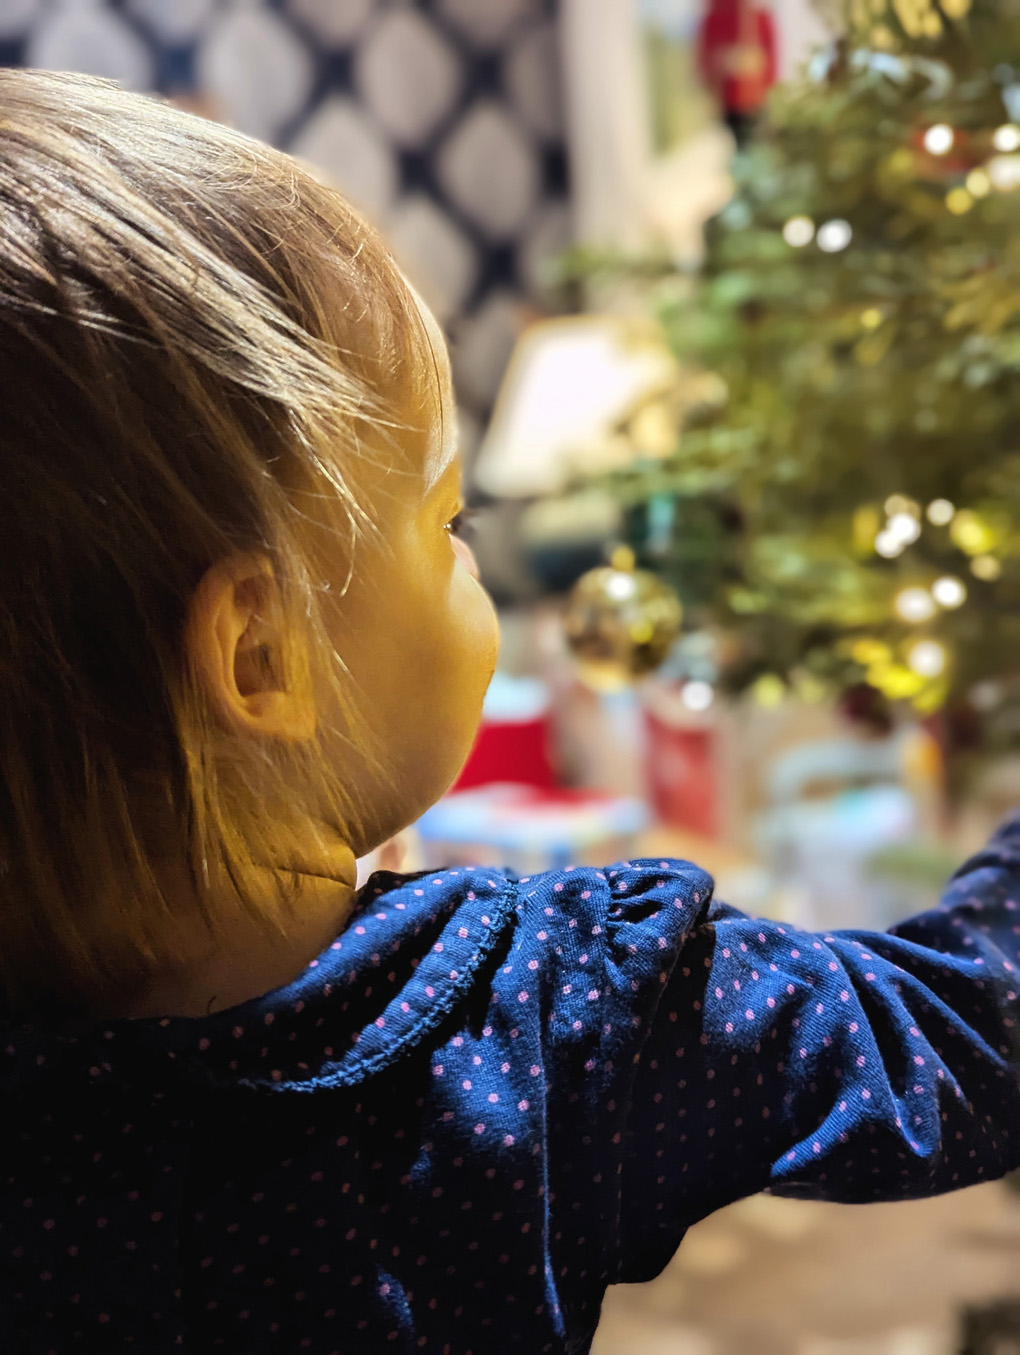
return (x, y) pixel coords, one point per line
(313, 52)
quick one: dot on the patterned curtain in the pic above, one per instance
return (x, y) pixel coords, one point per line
(441, 119)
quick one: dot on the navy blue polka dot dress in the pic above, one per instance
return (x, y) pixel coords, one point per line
(487, 1100)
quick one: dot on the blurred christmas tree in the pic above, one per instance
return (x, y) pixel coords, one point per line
(860, 309)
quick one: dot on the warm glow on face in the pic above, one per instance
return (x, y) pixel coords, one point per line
(415, 629)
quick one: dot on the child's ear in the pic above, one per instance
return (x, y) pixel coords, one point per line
(235, 641)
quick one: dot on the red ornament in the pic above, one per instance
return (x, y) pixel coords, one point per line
(961, 158)
(863, 705)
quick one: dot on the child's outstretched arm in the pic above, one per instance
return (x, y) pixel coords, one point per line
(845, 1066)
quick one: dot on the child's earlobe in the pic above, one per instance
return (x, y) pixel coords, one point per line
(235, 641)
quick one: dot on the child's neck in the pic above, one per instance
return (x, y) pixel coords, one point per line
(245, 959)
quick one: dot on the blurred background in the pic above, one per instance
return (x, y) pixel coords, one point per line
(731, 294)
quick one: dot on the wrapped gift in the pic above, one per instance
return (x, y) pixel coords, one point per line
(529, 829)
(514, 738)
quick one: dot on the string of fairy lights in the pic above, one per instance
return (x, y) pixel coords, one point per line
(917, 604)
(999, 173)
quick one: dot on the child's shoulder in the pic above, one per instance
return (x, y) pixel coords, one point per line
(555, 946)
(626, 892)
(627, 903)
(418, 949)
(555, 960)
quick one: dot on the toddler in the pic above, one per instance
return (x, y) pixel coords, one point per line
(247, 1107)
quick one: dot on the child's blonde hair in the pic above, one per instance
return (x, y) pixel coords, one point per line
(193, 333)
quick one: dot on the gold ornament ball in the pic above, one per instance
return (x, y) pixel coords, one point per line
(620, 624)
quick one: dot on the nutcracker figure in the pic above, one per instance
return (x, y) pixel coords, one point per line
(737, 57)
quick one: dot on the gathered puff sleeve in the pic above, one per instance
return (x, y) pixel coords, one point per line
(743, 1054)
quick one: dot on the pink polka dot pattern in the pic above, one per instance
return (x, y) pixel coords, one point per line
(485, 1101)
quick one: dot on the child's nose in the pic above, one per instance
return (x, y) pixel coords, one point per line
(465, 556)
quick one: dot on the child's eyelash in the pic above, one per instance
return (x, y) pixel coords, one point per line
(463, 522)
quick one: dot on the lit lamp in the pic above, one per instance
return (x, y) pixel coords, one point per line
(569, 385)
